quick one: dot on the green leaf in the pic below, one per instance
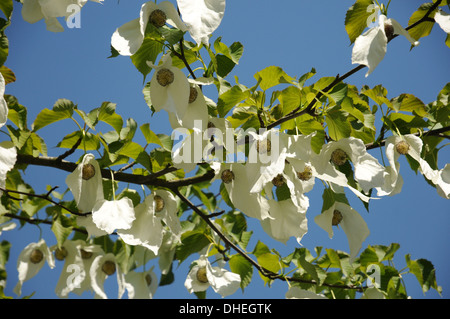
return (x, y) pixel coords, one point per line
(191, 242)
(260, 249)
(409, 103)
(62, 228)
(272, 76)
(317, 273)
(424, 28)
(290, 99)
(8, 74)
(107, 114)
(63, 109)
(240, 265)
(4, 46)
(230, 98)
(358, 17)
(171, 35)
(377, 94)
(18, 137)
(305, 77)
(270, 262)
(338, 125)
(424, 272)
(233, 52)
(149, 51)
(4, 252)
(7, 7)
(17, 113)
(90, 142)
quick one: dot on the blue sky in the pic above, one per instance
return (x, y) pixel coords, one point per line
(294, 35)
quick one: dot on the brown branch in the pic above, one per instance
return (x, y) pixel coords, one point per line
(309, 109)
(267, 273)
(437, 132)
(69, 152)
(150, 180)
(45, 197)
(36, 221)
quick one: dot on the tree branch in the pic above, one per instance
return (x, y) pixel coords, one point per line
(45, 197)
(267, 273)
(437, 132)
(150, 180)
(309, 109)
(36, 221)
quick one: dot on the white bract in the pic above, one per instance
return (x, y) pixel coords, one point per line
(73, 272)
(102, 267)
(197, 111)
(7, 226)
(3, 104)
(368, 171)
(288, 220)
(49, 10)
(147, 228)
(351, 222)
(85, 183)
(237, 180)
(8, 157)
(169, 88)
(411, 145)
(202, 275)
(114, 214)
(141, 285)
(92, 229)
(202, 17)
(128, 38)
(30, 262)
(443, 20)
(370, 47)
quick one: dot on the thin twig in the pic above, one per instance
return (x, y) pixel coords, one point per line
(70, 152)
(45, 197)
(267, 273)
(309, 109)
(36, 221)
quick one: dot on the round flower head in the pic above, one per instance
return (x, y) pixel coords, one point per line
(368, 172)
(202, 276)
(169, 88)
(395, 147)
(165, 207)
(128, 38)
(31, 260)
(354, 226)
(236, 178)
(86, 185)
